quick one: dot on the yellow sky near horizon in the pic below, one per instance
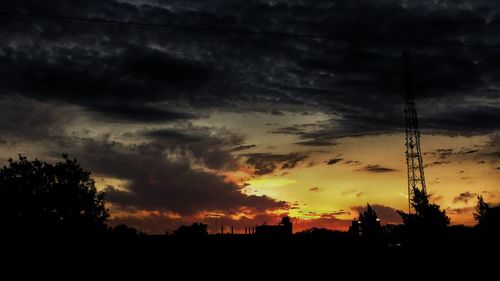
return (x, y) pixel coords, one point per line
(319, 188)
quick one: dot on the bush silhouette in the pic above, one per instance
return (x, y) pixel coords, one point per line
(38, 198)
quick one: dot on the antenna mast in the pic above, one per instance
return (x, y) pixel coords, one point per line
(414, 162)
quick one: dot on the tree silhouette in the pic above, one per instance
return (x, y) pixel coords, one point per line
(481, 211)
(370, 224)
(488, 218)
(38, 198)
(124, 231)
(428, 223)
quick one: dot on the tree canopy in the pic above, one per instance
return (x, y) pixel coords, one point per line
(39, 198)
(428, 222)
(488, 218)
(370, 224)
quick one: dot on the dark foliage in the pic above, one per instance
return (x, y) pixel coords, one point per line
(38, 198)
(488, 218)
(370, 224)
(428, 224)
(124, 231)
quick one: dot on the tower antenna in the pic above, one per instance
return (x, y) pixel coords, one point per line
(414, 162)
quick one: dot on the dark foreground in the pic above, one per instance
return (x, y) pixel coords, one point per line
(229, 258)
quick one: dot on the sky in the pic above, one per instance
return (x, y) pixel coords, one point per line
(239, 129)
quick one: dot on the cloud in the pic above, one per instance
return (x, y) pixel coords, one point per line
(491, 195)
(464, 197)
(353, 193)
(460, 211)
(124, 88)
(206, 146)
(469, 151)
(387, 215)
(266, 163)
(335, 214)
(242, 147)
(157, 183)
(58, 73)
(444, 154)
(491, 149)
(314, 189)
(376, 169)
(164, 75)
(334, 161)
(25, 119)
(437, 163)
(316, 143)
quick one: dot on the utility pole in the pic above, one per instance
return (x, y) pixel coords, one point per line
(216, 217)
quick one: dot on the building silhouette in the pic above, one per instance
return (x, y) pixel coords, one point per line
(283, 229)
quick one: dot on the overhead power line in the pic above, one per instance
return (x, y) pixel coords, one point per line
(243, 31)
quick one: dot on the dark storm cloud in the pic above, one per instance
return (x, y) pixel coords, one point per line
(140, 113)
(465, 121)
(209, 147)
(159, 183)
(376, 169)
(107, 68)
(121, 86)
(325, 133)
(170, 135)
(266, 163)
(26, 120)
(159, 172)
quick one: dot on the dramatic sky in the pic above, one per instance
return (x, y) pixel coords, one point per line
(177, 125)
